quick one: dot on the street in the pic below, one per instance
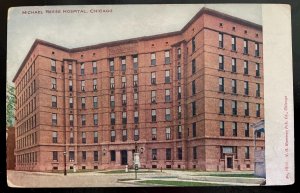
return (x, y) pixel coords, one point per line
(118, 178)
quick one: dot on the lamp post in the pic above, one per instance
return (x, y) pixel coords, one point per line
(65, 163)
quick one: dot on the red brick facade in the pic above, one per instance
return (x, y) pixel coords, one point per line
(114, 107)
(10, 147)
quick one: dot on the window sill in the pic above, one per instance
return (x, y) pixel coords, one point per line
(222, 114)
(233, 51)
(218, 92)
(221, 70)
(233, 72)
(235, 94)
(246, 95)
(257, 76)
(221, 48)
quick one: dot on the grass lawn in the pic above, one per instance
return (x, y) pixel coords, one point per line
(230, 175)
(178, 183)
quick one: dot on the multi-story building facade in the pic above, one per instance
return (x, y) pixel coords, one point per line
(186, 99)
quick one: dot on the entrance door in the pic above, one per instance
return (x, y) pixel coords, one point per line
(229, 162)
(124, 157)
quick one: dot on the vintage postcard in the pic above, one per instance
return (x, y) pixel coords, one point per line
(149, 95)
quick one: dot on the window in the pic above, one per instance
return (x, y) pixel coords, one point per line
(124, 117)
(71, 137)
(179, 73)
(135, 62)
(178, 53)
(112, 155)
(83, 137)
(247, 130)
(135, 80)
(167, 95)
(179, 111)
(153, 96)
(257, 90)
(95, 155)
(95, 119)
(154, 134)
(136, 117)
(168, 154)
(222, 129)
(221, 62)
(233, 86)
(71, 155)
(71, 119)
(54, 119)
(193, 44)
(135, 98)
(246, 67)
(70, 68)
(234, 107)
(95, 101)
(194, 129)
(256, 49)
(153, 59)
(233, 43)
(136, 134)
(153, 113)
(247, 153)
(71, 103)
(54, 156)
(221, 105)
(53, 65)
(193, 66)
(258, 134)
(83, 122)
(221, 84)
(123, 81)
(167, 57)
(179, 132)
(112, 100)
(257, 110)
(193, 87)
(54, 101)
(167, 76)
(94, 84)
(112, 118)
(54, 137)
(234, 129)
(112, 135)
(195, 152)
(154, 154)
(179, 153)
(233, 64)
(168, 133)
(221, 40)
(112, 83)
(95, 136)
(257, 71)
(245, 46)
(111, 65)
(53, 83)
(153, 78)
(70, 85)
(246, 108)
(82, 68)
(83, 155)
(83, 102)
(123, 64)
(246, 88)
(82, 85)
(168, 115)
(194, 108)
(94, 67)
(124, 135)
(124, 100)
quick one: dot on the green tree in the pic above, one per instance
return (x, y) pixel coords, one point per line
(10, 105)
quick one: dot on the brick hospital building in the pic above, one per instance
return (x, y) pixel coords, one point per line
(186, 99)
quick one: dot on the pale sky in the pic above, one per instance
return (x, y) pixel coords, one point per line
(82, 29)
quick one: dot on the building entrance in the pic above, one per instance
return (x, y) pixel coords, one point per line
(124, 157)
(229, 162)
